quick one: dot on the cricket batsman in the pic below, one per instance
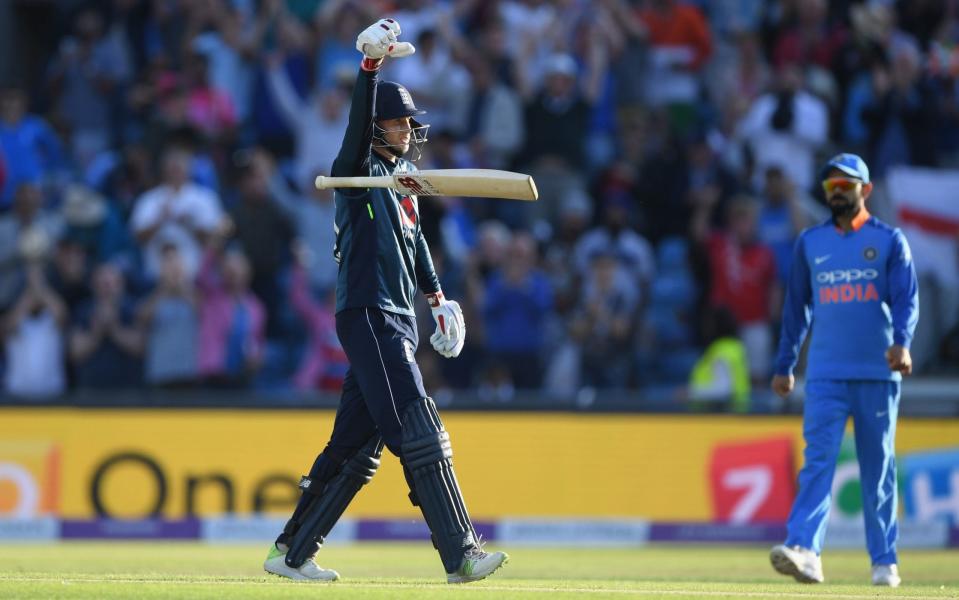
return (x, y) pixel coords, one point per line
(383, 258)
(854, 277)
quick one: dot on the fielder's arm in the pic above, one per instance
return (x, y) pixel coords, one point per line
(796, 312)
(903, 292)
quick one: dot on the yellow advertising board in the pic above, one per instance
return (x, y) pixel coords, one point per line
(174, 463)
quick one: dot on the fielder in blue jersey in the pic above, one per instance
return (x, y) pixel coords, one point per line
(853, 278)
(383, 260)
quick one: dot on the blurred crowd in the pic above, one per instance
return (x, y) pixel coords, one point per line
(160, 226)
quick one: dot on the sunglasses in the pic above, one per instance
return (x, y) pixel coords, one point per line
(840, 184)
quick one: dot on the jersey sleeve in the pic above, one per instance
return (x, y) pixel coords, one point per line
(353, 160)
(426, 277)
(797, 311)
(903, 291)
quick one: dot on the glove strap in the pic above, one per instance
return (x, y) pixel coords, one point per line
(371, 64)
(435, 299)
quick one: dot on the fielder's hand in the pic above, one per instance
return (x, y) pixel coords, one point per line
(379, 40)
(450, 334)
(783, 385)
(899, 359)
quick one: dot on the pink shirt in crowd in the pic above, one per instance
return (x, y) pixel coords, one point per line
(216, 318)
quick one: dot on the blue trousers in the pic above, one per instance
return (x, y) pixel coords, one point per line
(873, 406)
(382, 381)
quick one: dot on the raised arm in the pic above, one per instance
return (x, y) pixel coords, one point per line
(375, 42)
(287, 100)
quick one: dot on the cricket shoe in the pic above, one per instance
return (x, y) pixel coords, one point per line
(477, 565)
(802, 564)
(886, 575)
(309, 571)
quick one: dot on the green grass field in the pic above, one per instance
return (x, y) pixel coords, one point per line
(404, 571)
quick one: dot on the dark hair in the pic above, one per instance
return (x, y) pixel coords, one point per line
(719, 322)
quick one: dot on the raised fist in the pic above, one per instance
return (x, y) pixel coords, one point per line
(379, 40)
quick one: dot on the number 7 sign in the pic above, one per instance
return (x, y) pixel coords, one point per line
(752, 482)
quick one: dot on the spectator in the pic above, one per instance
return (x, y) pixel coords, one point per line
(434, 77)
(232, 321)
(742, 272)
(29, 145)
(169, 322)
(324, 363)
(336, 52)
(127, 179)
(604, 323)
(208, 108)
(615, 236)
(216, 29)
(516, 305)
(811, 39)
(84, 79)
(33, 334)
(105, 344)
(901, 116)
(558, 117)
(494, 117)
(69, 272)
(95, 223)
(784, 214)
(489, 255)
(28, 218)
(719, 382)
(786, 128)
(680, 45)
(741, 74)
(311, 213)
(575, 213)
(314, 123)
(176, 212)
(263, 230)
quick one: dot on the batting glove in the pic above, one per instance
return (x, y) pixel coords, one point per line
(379, 40)
(450, 334)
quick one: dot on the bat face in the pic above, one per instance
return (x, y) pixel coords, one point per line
(417, 185)
(467, 182)
(479, 183)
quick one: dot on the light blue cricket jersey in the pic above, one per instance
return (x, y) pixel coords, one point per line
(859, 292)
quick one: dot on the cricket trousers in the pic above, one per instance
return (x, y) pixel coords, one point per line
(383, 378)
(873, 406)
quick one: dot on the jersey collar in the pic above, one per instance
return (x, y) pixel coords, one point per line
(857, 222)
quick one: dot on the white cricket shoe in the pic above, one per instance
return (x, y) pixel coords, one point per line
(802, 564)
(309, 571)
(477, 565)
(886, 575)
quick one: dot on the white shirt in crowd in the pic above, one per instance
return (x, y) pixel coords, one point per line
(318, 137)
(794, 149)
(35, 358)
(191, 209)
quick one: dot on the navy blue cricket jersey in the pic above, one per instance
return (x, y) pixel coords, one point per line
(380, 247)
(859, 292)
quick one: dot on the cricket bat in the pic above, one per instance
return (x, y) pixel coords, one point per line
(482, 183)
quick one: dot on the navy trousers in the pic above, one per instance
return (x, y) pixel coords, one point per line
(383, 378)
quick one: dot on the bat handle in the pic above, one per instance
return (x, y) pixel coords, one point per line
(320, 182)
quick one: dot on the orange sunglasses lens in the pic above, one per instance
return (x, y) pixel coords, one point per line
(839, 184)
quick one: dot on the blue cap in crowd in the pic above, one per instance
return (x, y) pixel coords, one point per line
(850, 164)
